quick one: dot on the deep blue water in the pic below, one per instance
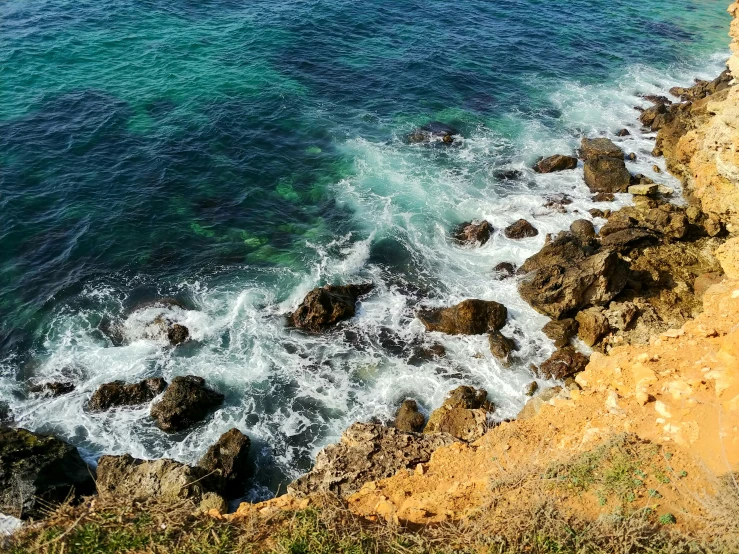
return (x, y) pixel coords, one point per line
(236, 154)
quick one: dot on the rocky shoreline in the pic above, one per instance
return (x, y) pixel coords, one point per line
(638, 282)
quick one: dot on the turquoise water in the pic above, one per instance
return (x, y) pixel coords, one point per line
(235, 155)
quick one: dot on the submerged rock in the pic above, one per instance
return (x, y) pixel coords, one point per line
(565, 362)
(366, 452)
(118, 393)
(186, 402)
(164, 479)
(521, 229)
(463, 415)
(433, 132)
(504, 270)
(326, 306)
(471, 317)
(38, 471)
(409, 419)
(558, 162)
(228, 457)
(473, 234)
(52, 389)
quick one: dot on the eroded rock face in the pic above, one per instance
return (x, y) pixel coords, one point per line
(409, 419)
(606, 174)
(228, 457)
(463, 415)
(37, 471)
(366, 452)
(558, 162)
(521, 229)
(140, 480)
(118, 393)
(471, 317)
(186, 402)
(324, 307)
(472, 233)
(565, 362)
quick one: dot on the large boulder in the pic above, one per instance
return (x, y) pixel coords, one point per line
(463, 415)
(558, 162)
(228, 457)
(366, 452)
(409, 419)
(433, 132)
(521, 229)
(473, 234)
(186, 402)
(324, 307)
(565, 362)
(594, 148)
(471, 317)
(606, 174)
(164, 479)
(560, 289)
(38, 471)
(118, 393)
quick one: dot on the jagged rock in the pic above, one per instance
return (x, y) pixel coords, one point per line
(604, 197)
(118, 393)
(521, 229)
(574, 281)
(561, 331)
(701, 89)
(620, 315)
(473, 234)
(623, 133)
(37, 471)
(534, 405)
(504, 270)
(177, 334)
(583, 231)
(606, 174)
(471, 317)
(598, 147)
(463, 415)
(366, 452)
(6, 414)
(326, 306)
(433, 132)
(186, 402)
(228, 457)
(531, 388)
(592, 325)
(565, 362)
(164, 479)
(647, 219)
(656, 117)
(554, 163)
(52, 389)
(409, 419)
(501, 346)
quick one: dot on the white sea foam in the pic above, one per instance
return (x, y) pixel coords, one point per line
(294, 393)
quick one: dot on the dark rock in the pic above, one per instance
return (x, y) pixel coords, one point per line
(595, 212)
(501, 346)
(631, 157)
(118, 393)
(606, 174)
(433, 132)
(599, 147)
(52, 390)
(409, 419)
(531, 388)
(604, 197)
(186, 402)
(463, 415)
(583, 231)
(554, 163)
(425, 353)
(471, 317)
(593, 325)
(177, 334)
(38, 471)
(561, 331)
(565, 362)
(326, 306)
(656, 99)
(473, 234)
(367, 452)
(508, 175)
(521, 229)
(623, 133)
(504, 270)
(228, 457)
(143, 480)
